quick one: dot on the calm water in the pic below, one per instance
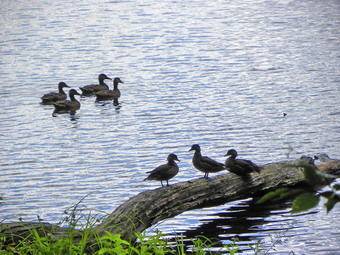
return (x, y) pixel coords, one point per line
(217, 73)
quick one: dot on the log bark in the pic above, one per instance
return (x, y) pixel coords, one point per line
(150, 207)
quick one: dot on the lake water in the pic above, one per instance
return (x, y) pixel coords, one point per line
(217, 73)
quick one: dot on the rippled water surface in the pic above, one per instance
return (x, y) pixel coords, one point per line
(217, 73)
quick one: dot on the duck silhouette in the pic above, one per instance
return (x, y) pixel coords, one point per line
(67, 105)
(164, 172)
(89, 90)
(203, 163)
(51, 97)
(109, 94)
(239, 166)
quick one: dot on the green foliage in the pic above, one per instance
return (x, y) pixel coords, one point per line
(307, 200)
(233, 248)
(304, 202)
(278, 195)
(256, 248)
(315, 177)
(332, 199)
(113, 244)
(201, 245)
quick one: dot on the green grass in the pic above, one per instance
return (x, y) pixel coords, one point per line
(112, 244)
(41, 242)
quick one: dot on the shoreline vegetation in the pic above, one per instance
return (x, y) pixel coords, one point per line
(123, 231)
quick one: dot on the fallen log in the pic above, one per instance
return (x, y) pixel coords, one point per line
(150, 207)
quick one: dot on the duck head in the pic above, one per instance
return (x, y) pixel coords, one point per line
(232, 153)
(195, 147)
(103, 77)
(63, 85)
(73, 92)
(117, 80)
(173, 157)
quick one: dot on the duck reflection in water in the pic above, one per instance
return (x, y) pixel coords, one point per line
(106, 105)
(243, 223)
(67, 106)
(164, 172)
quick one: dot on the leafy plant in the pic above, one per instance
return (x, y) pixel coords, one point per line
(305, 201)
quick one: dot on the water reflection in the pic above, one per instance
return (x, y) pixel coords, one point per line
(71, 115)
(242, 224)
(220, 75)
(107, 104)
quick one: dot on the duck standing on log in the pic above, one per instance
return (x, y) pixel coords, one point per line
(109, 94)
(205, 164)
(55, 96)
(164, 172)
(71, 105)
(89, 90)
(239, 166)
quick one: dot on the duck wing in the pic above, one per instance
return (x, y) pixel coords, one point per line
(159, 173)
(211, 165)
(93, 88)
(61, 104)
(247, 165)
(107, 94)
(53, 97)
(66, 105)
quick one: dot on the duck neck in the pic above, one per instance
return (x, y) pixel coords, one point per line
(61, 91)
(171, 162)
(233, 157)
(198, 153)
(73, 98)
(101, 81)
(115, 85)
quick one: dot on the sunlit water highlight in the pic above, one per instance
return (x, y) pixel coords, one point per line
(219, 73)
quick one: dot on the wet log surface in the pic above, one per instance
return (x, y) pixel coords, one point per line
(150, 207)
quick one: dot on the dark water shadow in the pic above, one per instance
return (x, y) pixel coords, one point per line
(109, 103)
(71, 114)
(242, 224)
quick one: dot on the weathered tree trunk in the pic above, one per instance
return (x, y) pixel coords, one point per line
(150, 207)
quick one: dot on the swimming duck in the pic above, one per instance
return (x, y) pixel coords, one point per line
(323, 157)
(109, 94)
(68, 105)
(239, 166)
(205, 164)
(91, 89)
(164, 172)
(55, 96)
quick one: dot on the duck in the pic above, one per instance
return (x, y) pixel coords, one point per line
(109, 94)
(51, 97)
(239, 166)
(68, 105)
(203, 163)
(93, 88)
(165, 172)
(323, 157)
